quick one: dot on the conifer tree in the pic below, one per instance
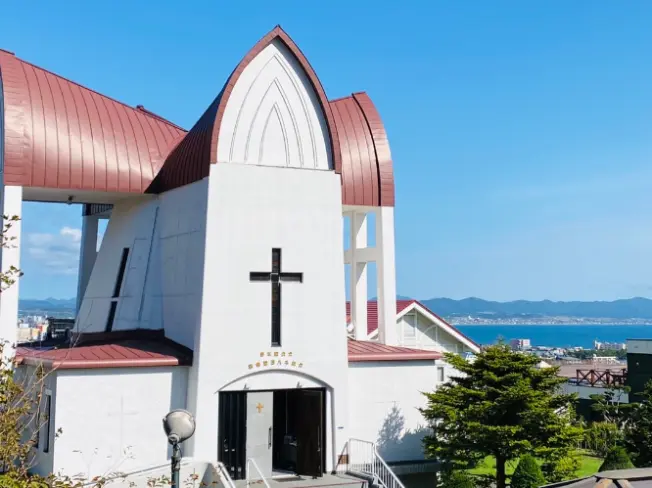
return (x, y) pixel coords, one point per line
(502, 405)
(617, 458)
(458, 479)
(527, 474)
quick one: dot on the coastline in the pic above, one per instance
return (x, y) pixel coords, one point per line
(538, 324)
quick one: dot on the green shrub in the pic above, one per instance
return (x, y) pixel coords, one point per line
(527, 474)
(601, 437)
(616, 458)
(561, 468)
(458, 479)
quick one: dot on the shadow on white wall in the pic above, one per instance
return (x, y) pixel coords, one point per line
(396, 443)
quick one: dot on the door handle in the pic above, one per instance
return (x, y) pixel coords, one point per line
(269, 438)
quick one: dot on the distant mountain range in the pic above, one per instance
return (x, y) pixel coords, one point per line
(46, 304)
(630, 308)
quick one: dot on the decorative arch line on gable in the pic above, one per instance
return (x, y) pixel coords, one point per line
(278, 34)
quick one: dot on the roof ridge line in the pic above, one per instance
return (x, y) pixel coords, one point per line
(92, 90)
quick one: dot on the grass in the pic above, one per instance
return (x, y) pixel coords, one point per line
(588, 465)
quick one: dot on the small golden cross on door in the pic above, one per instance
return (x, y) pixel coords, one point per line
(259, 407)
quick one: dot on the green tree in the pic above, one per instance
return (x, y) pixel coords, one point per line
(503, 406)
(600, 437)
(617, 458)
(638, 429)
(527, 474)
(458, 479)
(611, 406)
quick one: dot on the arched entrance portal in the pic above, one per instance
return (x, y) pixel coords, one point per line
(282, 429)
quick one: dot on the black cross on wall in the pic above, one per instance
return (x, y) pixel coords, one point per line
(276, 277)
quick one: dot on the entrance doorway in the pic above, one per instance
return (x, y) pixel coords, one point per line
(283, 431)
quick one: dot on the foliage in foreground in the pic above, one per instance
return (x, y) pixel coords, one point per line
(458, 479)
(501, 405)
(600, 437)
(611, 406)
(527, 474)
(617, 458)
(638, 430)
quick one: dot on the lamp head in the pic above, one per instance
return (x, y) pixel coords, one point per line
(179, 425)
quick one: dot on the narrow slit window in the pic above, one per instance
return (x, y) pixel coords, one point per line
(121, 272)
(111, 317)
(440, 374)
(48, 422)
(39, 420)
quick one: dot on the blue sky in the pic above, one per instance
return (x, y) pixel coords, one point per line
(521, 131)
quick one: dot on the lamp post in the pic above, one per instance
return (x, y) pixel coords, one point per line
(179, 426)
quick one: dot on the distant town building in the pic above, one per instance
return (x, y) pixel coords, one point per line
(611, 346)
(520, 344)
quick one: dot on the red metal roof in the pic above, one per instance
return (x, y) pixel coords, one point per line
(367, 174)
(144, 348)
(115, 350)
(373, 351)
(372, 315)
(59, 134)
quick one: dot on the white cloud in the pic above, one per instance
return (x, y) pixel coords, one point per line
(56, 253)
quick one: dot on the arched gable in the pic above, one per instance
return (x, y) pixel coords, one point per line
(273, 111)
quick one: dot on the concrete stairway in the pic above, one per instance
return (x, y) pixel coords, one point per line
(327, 481)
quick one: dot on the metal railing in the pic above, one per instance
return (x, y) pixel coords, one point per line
(363, 458)
(224, 475)
(252, 462)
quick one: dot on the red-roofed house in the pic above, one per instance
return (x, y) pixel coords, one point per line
(222, 242)
(418, 327)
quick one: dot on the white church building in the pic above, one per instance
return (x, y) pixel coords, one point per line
(219, 286)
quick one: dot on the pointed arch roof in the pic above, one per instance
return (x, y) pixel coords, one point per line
(59, 134)
(184, 166)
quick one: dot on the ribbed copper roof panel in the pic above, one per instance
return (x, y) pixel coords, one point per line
(367, 173)
(59, 134)
(189, 160)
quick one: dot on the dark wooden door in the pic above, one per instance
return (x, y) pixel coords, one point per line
(232, 432)
(310, 432)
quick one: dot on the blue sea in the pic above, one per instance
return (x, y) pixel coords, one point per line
(557, 335)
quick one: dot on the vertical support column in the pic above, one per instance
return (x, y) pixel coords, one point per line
(87, 252)
(358, 276)
(386, 276)
(11, 204)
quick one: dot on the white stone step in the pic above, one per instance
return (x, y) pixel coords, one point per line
(326, 481)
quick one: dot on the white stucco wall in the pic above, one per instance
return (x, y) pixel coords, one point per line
(175, 277)
(35, 385)
(131, 225)
(111, 418)
(273, 116)
(253, 209)
(384, 399)
(162, 285)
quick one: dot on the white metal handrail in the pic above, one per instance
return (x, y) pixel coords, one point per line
(364, 459)
(251, 461)
(223, 472)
